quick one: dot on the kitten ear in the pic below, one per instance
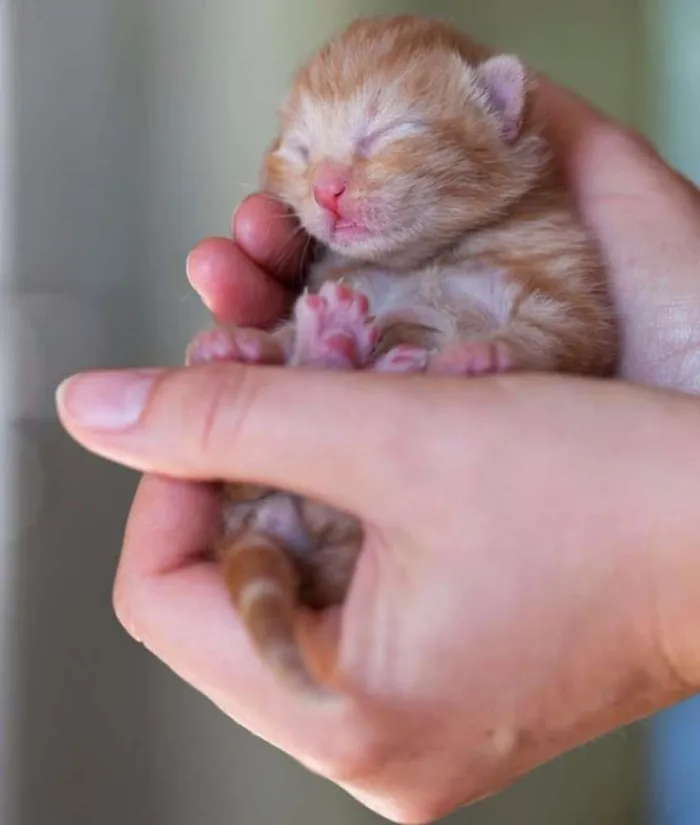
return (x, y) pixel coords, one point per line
(503, 79)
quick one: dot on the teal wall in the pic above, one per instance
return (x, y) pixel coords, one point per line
(672, 32)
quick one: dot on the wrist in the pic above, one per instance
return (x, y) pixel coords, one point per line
(627, 620)
(674, 566)
(581, 640)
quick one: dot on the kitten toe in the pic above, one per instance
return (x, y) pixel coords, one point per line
(249, 346)
(333, 329)
(475, 358)
(345, 301)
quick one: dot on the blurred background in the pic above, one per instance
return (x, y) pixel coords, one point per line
(129, 129)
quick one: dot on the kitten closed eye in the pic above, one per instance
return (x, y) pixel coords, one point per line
(389, 134)
(295, 150)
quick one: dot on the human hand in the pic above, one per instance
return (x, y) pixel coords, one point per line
(518, 592)
(646, 217)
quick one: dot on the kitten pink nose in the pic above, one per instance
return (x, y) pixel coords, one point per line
(330, 182)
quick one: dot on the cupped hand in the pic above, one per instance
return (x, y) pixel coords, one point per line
(518, 593)
(521, 590)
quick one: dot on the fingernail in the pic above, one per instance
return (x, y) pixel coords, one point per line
(106, 400)
(189, 269)
(190, 266)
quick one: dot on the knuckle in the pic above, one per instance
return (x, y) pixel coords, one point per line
(643, 157)
(623, 142)
(374, 767)
(385, 763)
(635, 141)
(423, 812)
(357, 754)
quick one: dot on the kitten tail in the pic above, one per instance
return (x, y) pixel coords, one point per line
(262, 583)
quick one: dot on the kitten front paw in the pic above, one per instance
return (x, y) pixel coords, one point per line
(477, 357)
(243, 345)
(333, 329)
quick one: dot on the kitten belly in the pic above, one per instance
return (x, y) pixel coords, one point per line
(473, 299)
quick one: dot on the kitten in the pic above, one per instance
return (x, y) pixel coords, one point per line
(448, 244)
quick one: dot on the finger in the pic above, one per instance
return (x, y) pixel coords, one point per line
(602, 159)
(190, 510)
(243, 345)
(267, 231)
(174, 602)
(612, 171)
(327, 435)
(234, 288)
(594, 153)
(568, 118)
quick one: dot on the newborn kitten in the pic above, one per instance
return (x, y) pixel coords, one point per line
(447, 244)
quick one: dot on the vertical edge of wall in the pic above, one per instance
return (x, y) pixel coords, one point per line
(8, 734)
(672, 121)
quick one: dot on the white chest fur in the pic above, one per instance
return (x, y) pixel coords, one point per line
(449, 299)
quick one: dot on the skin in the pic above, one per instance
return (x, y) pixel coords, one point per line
(517, 596)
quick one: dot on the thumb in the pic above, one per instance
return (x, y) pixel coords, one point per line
(332, 436)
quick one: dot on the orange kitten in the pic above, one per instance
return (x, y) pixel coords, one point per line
(448, 244)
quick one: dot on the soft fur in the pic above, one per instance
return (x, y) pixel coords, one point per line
(412, 156)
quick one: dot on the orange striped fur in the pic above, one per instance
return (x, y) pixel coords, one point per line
(472, 235)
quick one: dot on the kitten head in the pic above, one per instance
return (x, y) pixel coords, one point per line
(394, 144)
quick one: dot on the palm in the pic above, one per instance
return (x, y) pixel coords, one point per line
(656, 288)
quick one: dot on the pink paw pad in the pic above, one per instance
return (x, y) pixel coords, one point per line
(333, 328)
(403, 358)
(248, 346)
(474, 358)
